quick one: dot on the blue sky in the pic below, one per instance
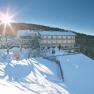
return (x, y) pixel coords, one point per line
(77, 15)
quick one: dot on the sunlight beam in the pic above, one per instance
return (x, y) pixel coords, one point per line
(5, 20)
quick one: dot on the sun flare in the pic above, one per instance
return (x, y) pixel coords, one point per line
(5, 20)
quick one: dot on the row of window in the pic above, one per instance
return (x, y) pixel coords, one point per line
(58, 36)
(62, 45)
(59, 41)
(25, 41)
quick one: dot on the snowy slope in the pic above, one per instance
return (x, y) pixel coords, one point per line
(30, 76)
(41, 76)
(78, 73)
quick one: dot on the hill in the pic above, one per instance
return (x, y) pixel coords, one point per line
(25, 26)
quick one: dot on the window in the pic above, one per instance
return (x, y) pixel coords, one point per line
(59, 41)
(64, 41)
(49, 41)
(45, 36)
(69, 41)
(54, 36)
(64, 37)
(54, 41)
(73, 37)
(73, 41)
(44, 41)
(49, 36)
(59, 36)
(69, 37)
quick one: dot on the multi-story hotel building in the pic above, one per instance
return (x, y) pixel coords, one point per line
(49, 38)
(56, 38)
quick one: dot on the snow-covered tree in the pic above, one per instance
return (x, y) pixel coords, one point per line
(35, 42)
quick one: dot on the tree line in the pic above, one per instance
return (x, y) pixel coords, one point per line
(86, 43)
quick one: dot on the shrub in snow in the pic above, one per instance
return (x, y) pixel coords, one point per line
(16, 56)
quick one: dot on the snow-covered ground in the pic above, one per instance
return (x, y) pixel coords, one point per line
(29, 76)
(41, 76)
(78, 72)
(48, 52)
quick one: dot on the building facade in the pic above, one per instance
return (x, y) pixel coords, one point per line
(57, 38)
(24, 37)
(49, 38)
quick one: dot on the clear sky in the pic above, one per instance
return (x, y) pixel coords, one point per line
(77, 15)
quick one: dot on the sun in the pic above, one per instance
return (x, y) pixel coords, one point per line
(6, 18)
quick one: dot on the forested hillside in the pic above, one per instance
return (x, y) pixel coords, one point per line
(25, 26)
(86, 43)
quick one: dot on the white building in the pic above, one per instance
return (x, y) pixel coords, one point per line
(56, 38)
(49, 38)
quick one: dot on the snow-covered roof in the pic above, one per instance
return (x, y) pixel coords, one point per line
(56, 33)
(29, 32)
(24, 33)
